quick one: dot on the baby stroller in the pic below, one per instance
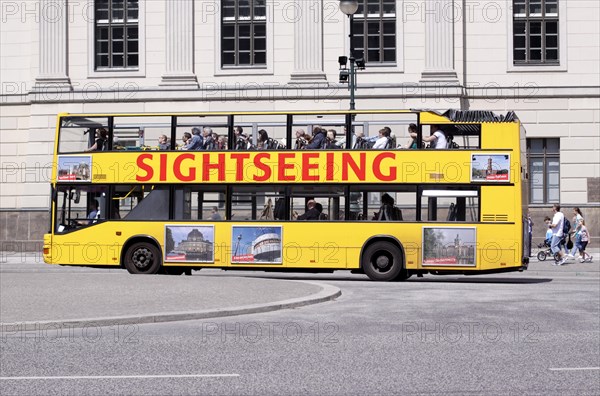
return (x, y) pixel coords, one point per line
(545, 250)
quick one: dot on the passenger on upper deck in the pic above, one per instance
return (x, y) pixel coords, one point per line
(196, 140)
(384, 141)
(360, 143)
(331, 143)
(302, 139)
(437, 138)
(318, 139)
(101, 143)
(412, 130)
(163, 143)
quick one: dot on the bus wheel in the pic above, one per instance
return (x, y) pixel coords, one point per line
(382, 261)
(142, 258)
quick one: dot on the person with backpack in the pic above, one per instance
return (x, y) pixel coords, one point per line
(566, 242)
(557, 225)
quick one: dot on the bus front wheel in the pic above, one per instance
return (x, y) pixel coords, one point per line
(382, 261)
(142, 258)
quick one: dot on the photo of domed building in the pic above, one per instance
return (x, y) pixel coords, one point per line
(189, 243)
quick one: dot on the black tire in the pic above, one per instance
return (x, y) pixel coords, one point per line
(143, 258)
(382, 261)
(556, 257)
(541, 256)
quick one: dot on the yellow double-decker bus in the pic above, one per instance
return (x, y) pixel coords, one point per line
(310, 191)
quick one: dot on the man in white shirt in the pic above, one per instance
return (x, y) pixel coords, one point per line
(383, 140)
(437, 137)
(557, 233)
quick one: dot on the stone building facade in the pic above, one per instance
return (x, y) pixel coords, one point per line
(540, 59)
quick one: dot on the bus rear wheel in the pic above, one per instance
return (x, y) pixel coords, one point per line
(382, 261)
(142, 258)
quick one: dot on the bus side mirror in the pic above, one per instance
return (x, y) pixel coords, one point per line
(77, 196)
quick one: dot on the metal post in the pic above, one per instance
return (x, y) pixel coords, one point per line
(352, 82)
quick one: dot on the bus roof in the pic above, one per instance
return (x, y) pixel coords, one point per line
(427, 116)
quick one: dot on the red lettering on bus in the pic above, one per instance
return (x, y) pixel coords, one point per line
(307, 166)
(145, 167)
(330, 164)
(377, 165)
(283, 166)
(359, 170)
(239, 165)
(163, 167)
(177, 168)
(262, 166)
(207, 166)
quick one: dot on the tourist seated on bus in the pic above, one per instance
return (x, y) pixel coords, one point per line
(437, 138)
(195, 141)
(243, 142)
(360, 143)
(412, 132)
(302, 139)
(319, 138)
(331, 143)
(319, 207)
(186, 138)
(388, 211)
(163, 143)
(215, 215)
(266, 143)
(384, 140)
(209, 142)
(311, 214)
(101, 142)
(221, 142)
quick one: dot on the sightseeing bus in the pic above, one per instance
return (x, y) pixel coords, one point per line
(365, 196)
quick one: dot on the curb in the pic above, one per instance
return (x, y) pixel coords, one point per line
(327, 293)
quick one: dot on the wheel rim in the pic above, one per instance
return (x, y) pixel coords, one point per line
(382, 262)
(142, 258)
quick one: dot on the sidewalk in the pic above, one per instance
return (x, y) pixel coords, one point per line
(571, 267)
(68, 298)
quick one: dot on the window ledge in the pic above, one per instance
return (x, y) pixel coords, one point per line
(116, 73)
(536, 68)
(243, 71)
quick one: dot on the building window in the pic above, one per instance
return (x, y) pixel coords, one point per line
(374, 31)
(535, 32)
(116, 34)
(544, 170)
(243, 33)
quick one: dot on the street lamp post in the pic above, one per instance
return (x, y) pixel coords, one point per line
(349, 7)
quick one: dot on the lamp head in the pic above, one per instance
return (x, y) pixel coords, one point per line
(344, 75)
(349, 7)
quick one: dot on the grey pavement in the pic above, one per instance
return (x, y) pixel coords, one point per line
(34, 293)
(77, 296)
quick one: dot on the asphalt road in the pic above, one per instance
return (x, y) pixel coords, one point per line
(494, 334)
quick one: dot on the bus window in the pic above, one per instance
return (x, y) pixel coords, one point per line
(450, 205)
(404, 203)
(329, 201)
(79, 134)
(80, 206)
(141, 202)
(197, 203)
(212, 129)
(140, 133)
(264, 132)
(256, 203)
